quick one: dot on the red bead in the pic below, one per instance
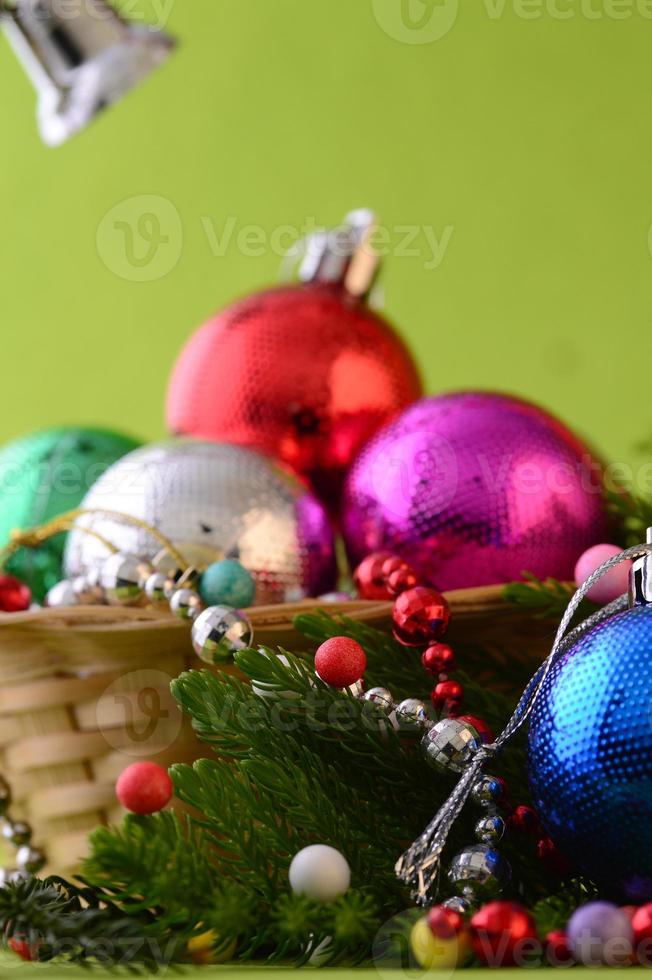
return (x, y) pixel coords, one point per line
(15, 596)
(525, 820)
(340, 661)
(444, 922)
(439, 659)
(420, 616)
(502, 934)
(144, 787)
(22, 948)
(557, 951)
(642, 924)
(401, 580)
(481, 727)
(552, 858)
(447, 695)
(369, 578)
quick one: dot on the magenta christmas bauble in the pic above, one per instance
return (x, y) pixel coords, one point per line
(475, 488)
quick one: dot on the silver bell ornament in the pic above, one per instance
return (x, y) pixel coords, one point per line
(79, 61)
(218, 501)
(219, 632)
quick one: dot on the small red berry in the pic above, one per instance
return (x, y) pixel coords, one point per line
(557, 950)
(420, 616)
(15, 596)
(439, 659)
(525, 820)
(340, 661)
(22, 948)
(144, 787)
(447, 695)
(552, 858)
(444, 923)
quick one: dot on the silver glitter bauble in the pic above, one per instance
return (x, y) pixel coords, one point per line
(226, 501)
(490, 829)
(412, 715)
(61, 595)
(123, 577)
(480, 867)
(17, 832)
(155, 588)
(487, 791)
(30, 859)
(186, 604)
(381, 697)
(450, 744)
(219, 632)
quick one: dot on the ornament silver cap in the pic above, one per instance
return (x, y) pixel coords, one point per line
(640, 578)
(80, 58)
(344, 256)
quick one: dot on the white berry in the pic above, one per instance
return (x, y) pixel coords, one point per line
(320, 872)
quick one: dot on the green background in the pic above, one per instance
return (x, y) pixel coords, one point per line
(525, 129)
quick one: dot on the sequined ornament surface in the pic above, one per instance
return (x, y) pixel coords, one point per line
(306, 374)
(590, 755)
(46, 474)
(213, 501)
(474, 489)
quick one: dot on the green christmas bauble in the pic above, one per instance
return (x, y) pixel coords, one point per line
(46, 474)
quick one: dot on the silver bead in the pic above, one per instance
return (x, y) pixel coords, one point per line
(87, 589)
(17, 832)
(212, 500)
(186, 604)
(458, 904)
(381, 697)
(490, 829)
(412, 715)
(480, 868)
(155, 588)
(122, 577)
(487, 791)
(30, 859)
(450, 745)
(219, 632)
(61, 595)
(5, 796)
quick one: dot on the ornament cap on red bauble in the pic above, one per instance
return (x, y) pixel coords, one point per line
(144, 787)
(304, 373)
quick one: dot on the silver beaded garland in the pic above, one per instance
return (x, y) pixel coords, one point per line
(30, 859)
(412, 715)
(61, 595)
(487, 791)
(381, 697)
(219, 632)
(450, 745)
(123, 578)
(186, 604)
(17, 832)
(490, 829)
(155, 588)
(479, 871)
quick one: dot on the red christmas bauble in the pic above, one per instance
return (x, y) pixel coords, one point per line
(444, 923)
(642, 924)
(557, 949)
(369, 577)
(420, 616)
(501, 934)
(15, 596)
(306, 374)
(340, 661)
(439, 659)
(144, 787)
(401, 580)
(447, 695)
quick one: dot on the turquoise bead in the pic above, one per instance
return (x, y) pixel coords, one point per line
(227, 583)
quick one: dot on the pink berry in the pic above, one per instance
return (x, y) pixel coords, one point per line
(340, 661)
(613, 583)
(144, 787)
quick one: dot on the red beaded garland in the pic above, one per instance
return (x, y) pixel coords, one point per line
(15, 596)
(501, 932)
(340, 661)
(401, 580)
(557, 949)
(144, 787)
(370, 579)
(642, 924)
(420, 616)
(552, 858)
(525, 820)
(444, 923)
(447, 695)
(439, 659)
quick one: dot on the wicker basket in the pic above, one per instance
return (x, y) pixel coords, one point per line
(85, 691)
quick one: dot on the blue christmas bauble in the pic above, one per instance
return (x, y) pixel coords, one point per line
(590, 754)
